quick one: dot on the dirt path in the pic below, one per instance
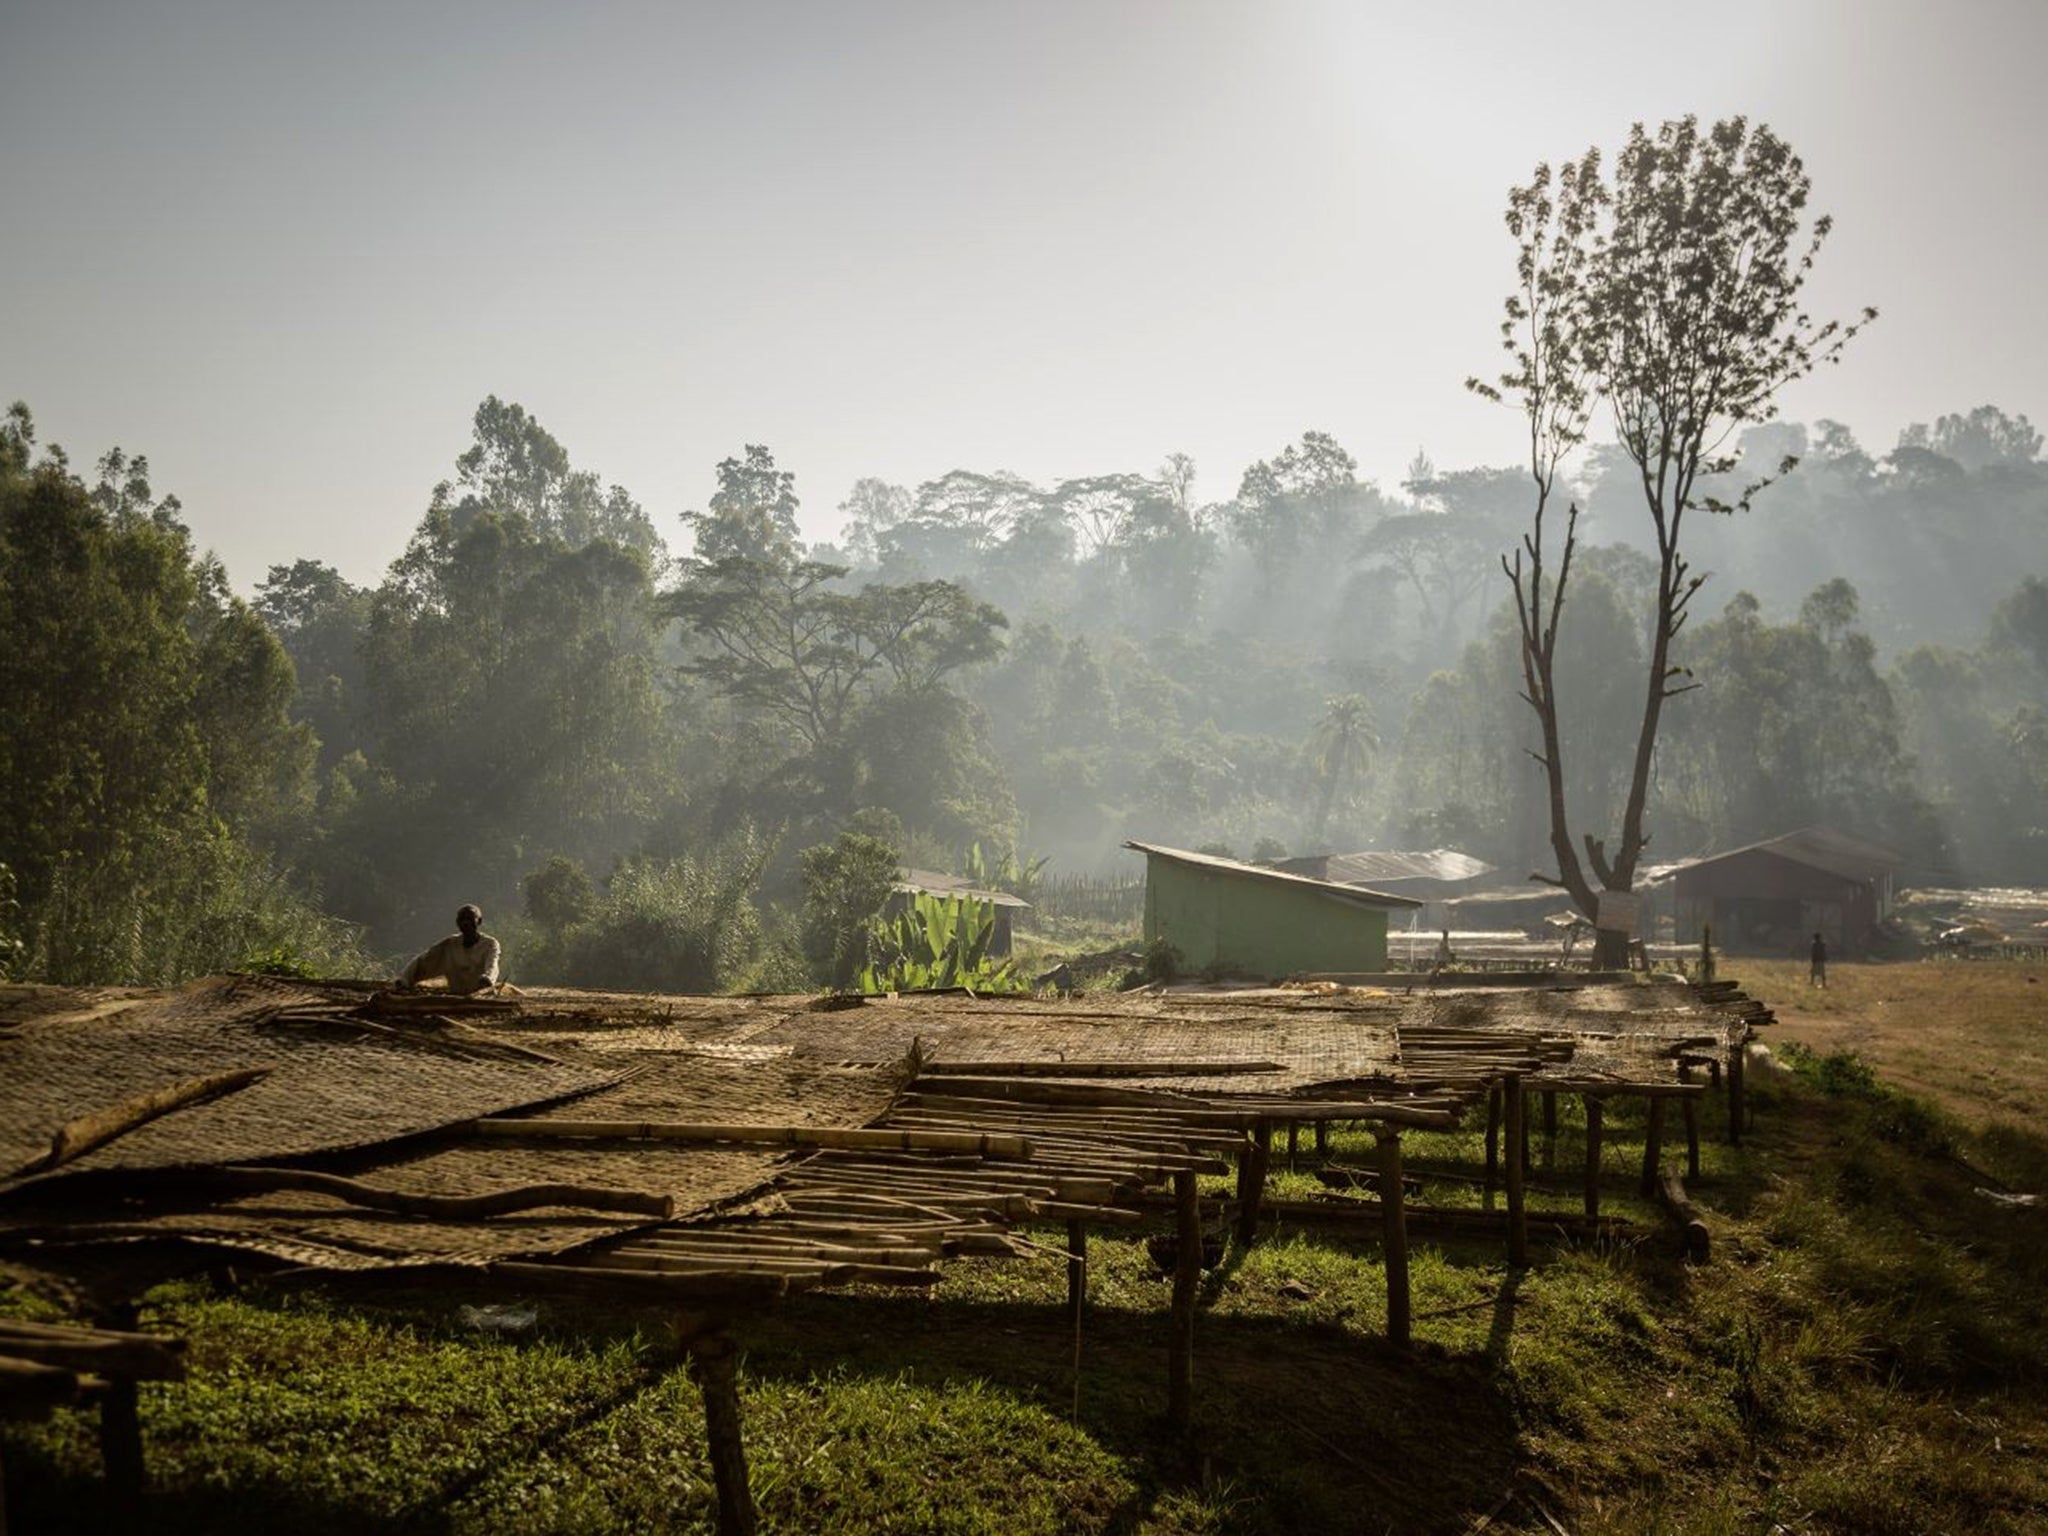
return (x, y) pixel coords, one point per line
(1972, 1036)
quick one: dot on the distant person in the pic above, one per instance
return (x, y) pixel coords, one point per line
(467, 959)
(1817, 974)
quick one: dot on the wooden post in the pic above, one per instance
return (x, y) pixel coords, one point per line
(1077, 1272)
(1653, 1147)
(1399, 1316)
(1187, 1280)
(1518, 1220)
(712, 1366)
(1322, 1138)
(1692, 1137)
(1293, 1142)
(1492, 1133)
(1251, 1181)
(1735, 1096)
(121, 1422)
(1550, 1114)
(1594, 1111)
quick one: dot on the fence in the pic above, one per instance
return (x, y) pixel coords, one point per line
(1088, 897)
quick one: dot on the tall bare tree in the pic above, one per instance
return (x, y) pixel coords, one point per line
(1672, 294)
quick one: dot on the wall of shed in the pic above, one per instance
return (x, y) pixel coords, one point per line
(1233, 922)
(1764, 904)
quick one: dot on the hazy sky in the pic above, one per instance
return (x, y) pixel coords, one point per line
(284, 249)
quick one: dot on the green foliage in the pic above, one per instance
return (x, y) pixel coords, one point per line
(846, 882)
(144, 740)
(13, 943)
(937, 941)
(196, 902)
(674, 924)
(687, 924)
(1007, 871)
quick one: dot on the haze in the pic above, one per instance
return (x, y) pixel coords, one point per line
(284, 251)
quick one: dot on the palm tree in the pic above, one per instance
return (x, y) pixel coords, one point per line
(1340, 749)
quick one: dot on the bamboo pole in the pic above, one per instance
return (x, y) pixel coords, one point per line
(1594, 1114)
(498, 1202)
(76, 1137)
(1251, 1181)
(984, 1143)
(712, 1367)
(1653, 1148)
(1101, 1215)
(1518, 1216)
(1161, 1068)
(1187, 1280)
(1399, 1302)
(1454, 1220)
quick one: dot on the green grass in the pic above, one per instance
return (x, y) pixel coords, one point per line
(1865, 1353)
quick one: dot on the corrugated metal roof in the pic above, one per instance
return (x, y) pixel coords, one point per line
(1354, 894)
(932, 883)
(1373, 867)
(1821, 848)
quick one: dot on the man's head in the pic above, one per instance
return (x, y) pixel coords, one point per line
(470, 920)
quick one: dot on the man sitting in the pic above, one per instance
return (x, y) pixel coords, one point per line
(466, 960)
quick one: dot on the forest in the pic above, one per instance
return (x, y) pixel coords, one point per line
(678, 752)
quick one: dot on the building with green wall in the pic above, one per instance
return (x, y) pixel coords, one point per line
(1226, 916)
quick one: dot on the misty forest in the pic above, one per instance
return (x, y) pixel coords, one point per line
(677, 747)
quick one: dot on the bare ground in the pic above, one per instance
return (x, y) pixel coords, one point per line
(1971, 1036)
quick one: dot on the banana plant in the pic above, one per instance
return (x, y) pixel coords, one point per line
(935, 942)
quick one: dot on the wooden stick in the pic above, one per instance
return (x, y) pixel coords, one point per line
(30, 1388)
(1102, 1215)
(1735, 1095)
(1550, 1114)
(1692, 1138)
(1492, 1133)
(1593, 1118)
(1653, 1148)
(76, 1137)
(712, 1367)
(497, 1202)
(701, 1290)
(1518, 1215)
(137, 1356)
(1251, 1181)
(1454, 1219)
(1671, 1192)
(121, 1421)
(1395, 1230)
(985, 1143)
(1077, 1273)
(1187, 1281)
(1041, 1068)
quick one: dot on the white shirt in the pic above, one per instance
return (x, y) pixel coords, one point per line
(467, 967)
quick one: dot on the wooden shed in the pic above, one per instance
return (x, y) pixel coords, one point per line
(1772, 897)
(1228, 916)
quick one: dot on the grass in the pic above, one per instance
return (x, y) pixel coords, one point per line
(1865, 1353)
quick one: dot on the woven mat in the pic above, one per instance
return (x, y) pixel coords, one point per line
(327, 1090)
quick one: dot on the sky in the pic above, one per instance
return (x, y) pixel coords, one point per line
(284, 249)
